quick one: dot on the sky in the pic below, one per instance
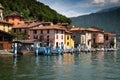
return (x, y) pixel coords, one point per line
(74, 8)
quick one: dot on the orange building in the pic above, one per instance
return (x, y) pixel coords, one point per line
(14, 18)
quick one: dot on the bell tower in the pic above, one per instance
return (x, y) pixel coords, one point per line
(1, 11)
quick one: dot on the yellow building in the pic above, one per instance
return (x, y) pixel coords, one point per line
(5, 26)
(69, 42)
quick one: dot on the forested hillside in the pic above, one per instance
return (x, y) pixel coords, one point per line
(33, 9)
(108, 19)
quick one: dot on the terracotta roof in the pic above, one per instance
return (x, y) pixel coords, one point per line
(93, 30)
(85, 29)
(77, 29)
(27, 25)
(49, 27)
(110, 34)
(4, 22)
(14, 14)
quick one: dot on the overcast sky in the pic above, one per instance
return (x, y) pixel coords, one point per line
(73, 8)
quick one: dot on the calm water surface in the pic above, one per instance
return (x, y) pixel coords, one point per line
(90, 66)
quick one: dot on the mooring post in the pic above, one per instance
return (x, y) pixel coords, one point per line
(15, 49)
(79, 48)
(62, 48)
(36, 49)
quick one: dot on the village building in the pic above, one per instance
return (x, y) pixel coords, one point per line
(15, 18)
(5, 40)
(5, 37)
(90, 37)
(97, 37)
(69, 42)
(5, 26)
(110, 40)
(24, 29)
(53, 35)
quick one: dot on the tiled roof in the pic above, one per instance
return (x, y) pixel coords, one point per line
(49, 27)
(110, 34)
(4, 22)
(85, 29)
(26, 25)
(93, 30)
(14, 14)
(77, 29)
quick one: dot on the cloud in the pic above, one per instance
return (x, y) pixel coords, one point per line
(98, 1)
(114, 1)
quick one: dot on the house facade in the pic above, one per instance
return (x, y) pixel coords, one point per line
(24, 29)
(97, 37)
(53, 35)
(5, 40)
(15, 18)
(110, 40)
(90, 37)
(5, 26)
(69, 42)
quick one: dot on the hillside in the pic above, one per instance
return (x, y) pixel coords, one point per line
(33, 9)
(108, 19)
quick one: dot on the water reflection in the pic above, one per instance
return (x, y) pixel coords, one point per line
(83, 66)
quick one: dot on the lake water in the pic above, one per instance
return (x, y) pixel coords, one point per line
(90, 66)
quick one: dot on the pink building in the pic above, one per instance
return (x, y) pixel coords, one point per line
(53, 35)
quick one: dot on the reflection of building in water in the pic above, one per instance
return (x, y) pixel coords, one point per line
(115, 56)
(86, 58)
(68, 59)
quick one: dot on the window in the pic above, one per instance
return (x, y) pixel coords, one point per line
(56, 36)
(67, 37)
(61, 32)
(56, 31)
(35, 32)
(67, 43)
(48, 31)
(62, 37)
(73, 36)
(47, 38)
(56, 43)
(35, 37)
(41, 31)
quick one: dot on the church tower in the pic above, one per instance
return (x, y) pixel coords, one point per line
(1, 11)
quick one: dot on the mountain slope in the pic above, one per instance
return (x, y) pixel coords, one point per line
(108, 19)
(33, 9)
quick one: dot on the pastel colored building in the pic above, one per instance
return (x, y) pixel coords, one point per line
(81, 36)
(5, 26)
(97, 37)
(15, 18)
(91, 37)
(24, 29)
(110, 40)
(53, 35)
(69, 42)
